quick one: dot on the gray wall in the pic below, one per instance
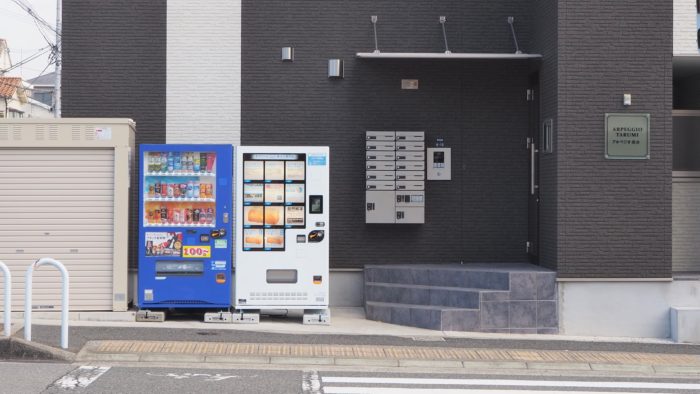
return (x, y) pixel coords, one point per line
(479, 108)
(614, 216)
(114, 66)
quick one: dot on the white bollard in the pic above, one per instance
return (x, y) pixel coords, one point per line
(7, 309)
(64, 299)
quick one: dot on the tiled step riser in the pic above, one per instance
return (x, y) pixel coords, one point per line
(446, 320)
(439, 277)
(420, 296)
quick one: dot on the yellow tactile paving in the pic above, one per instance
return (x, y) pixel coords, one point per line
(389, 352)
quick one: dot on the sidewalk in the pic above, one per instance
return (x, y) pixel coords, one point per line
(352, 341)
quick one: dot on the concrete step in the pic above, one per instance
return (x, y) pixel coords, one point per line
(456, 297)
(437, 275)
(424, 316)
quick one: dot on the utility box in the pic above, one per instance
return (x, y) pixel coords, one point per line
(65, 195)
(395, 177)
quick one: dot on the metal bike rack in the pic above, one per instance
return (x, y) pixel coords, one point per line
(28, 299)
(7, 309)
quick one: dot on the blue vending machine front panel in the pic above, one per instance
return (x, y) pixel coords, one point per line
(185, 232)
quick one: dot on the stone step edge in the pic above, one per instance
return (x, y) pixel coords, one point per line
(454, 268)
(431, 287)
(406, 363)
(419, 306)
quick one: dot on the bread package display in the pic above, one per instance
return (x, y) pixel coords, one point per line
(274, 216)
(274, 170)
(253, 170)
(253, 238)
(274, 238)
(253, 216)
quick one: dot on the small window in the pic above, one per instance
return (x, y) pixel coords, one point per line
(547, 140)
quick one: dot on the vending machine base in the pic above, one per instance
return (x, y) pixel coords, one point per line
(218, 317)
(241, 317)
(317, 317)
(144, 315)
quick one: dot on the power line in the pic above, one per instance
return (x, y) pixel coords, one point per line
(28, 8)
(41, 52)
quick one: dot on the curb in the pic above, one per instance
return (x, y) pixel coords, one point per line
(20, 349)
(89, 356)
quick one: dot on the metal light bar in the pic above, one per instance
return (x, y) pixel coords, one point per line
(447, 56)
(444, 33)
(373, 18)
(515, 38)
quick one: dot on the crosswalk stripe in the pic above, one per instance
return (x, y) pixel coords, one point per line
(400, 390)
(511, 383)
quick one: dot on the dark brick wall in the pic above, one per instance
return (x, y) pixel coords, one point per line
(479, 108)
(114, 64)
(545, 42)
(614, 216)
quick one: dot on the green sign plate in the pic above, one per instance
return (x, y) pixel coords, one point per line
(627, 136)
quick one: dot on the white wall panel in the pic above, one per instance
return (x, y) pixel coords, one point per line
(204, 72)
(685, 28)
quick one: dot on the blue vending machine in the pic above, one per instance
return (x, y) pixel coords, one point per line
(185, 232)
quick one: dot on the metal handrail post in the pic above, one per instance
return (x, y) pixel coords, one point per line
(7, 309)
(64, 298)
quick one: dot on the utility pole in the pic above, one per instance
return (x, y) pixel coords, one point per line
(58, 56)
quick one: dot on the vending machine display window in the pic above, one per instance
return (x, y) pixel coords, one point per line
(179, 189)
(274, 199)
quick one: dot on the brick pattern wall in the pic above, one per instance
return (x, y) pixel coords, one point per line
(479, 107)
(204, 72)
(685, 28)
(114, 61)
(614, 216)
(545, 42)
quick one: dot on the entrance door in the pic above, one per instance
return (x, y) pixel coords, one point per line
(533, 173)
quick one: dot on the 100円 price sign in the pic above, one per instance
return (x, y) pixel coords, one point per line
(627, 136)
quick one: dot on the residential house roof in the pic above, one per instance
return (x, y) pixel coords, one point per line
(11, 85)
(44, 80)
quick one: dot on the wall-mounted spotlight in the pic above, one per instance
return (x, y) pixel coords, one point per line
(335, 68)
(287, 54)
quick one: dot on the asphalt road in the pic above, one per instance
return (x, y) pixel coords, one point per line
(20, 378)
(50, 335)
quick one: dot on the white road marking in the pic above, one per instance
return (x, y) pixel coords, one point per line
(400, 390)
(205, 376)
(512, 383)
(310, 383)
(80, 377)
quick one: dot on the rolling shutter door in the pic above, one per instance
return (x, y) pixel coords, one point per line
(58, 203)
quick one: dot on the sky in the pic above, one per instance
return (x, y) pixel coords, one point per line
(23, 37)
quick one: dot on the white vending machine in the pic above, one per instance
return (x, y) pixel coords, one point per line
(282, 237)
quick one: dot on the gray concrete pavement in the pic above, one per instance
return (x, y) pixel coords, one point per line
(29, 378)
(79, 335)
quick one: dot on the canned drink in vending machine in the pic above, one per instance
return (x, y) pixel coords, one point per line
(164, 190)
(188, 216)
(163, 162)
(195, 215)
(151, 191)
(171, 162)
(171, 190)
(210, 216)
(203, 190)
(177, 164)
(183, 190)
(190, 189)
(195, 190)
(210, 162)
(195, 162)
(203, 161)
(163, 214)
(156, 216)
